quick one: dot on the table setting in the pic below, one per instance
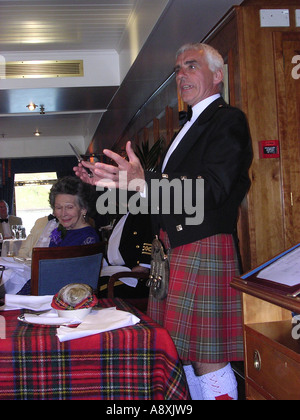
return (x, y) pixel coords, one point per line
(10, 246)
(42, 313)
(113, 352)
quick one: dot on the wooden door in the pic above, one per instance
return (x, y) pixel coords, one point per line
(287, 54)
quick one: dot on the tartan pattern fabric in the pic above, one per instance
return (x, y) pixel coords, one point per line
(88, 302)
(135, 363)
(202, 313)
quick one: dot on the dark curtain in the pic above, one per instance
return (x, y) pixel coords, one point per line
(63, 166)
(7, 183)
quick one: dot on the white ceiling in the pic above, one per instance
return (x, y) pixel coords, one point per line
(63, 24)
(97, 31)
(127, 47)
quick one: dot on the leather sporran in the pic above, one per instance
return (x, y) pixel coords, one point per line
(160, 270)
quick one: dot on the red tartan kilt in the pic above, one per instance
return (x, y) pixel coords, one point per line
(202, 313)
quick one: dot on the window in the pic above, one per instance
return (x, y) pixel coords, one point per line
(32, 196)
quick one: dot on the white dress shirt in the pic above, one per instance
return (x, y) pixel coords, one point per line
(113, 254)
(197, 110)
(7, 233)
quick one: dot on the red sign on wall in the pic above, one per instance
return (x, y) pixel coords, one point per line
(269, 149)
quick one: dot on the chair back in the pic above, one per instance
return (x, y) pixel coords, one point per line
(140, 302)
(54, 268)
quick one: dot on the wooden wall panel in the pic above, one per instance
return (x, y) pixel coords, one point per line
(266, 224)
(266, 199)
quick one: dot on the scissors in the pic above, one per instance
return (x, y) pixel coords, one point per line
(80, 159)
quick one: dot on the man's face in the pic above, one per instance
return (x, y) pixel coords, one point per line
(3, 210)
(195, 81)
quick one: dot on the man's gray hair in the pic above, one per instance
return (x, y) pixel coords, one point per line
(214, 59)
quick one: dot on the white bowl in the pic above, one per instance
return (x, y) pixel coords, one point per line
(74, 314)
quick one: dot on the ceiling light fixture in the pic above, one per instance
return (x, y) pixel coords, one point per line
(37, 133)
(31, 106)
(42, 109)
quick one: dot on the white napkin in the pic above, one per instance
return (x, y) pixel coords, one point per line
(47, 318)
(97, 322)
(15, 276)
(35, 303)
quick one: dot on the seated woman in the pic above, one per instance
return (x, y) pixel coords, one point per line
(71, 201)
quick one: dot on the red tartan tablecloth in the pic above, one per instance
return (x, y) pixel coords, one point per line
(133, 363)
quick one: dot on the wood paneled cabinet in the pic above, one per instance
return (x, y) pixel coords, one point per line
(272, 365)
(271, 341)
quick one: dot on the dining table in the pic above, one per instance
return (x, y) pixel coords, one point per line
(139, 362)
(11, 247)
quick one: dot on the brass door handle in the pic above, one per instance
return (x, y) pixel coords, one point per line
(257, 360)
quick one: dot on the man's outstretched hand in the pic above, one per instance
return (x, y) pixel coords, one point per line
(122, 176)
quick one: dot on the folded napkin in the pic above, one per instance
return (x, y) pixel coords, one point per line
(35, 303)
(96, 322)
(47, 318)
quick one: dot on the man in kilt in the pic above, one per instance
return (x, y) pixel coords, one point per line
(202, 313)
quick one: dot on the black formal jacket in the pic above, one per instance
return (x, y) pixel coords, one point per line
(136, 240)
(218, 149)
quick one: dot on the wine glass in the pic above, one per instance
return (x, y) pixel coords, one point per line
(14, 231)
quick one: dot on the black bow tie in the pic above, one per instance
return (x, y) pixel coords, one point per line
(185, 116)
(3, 220)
